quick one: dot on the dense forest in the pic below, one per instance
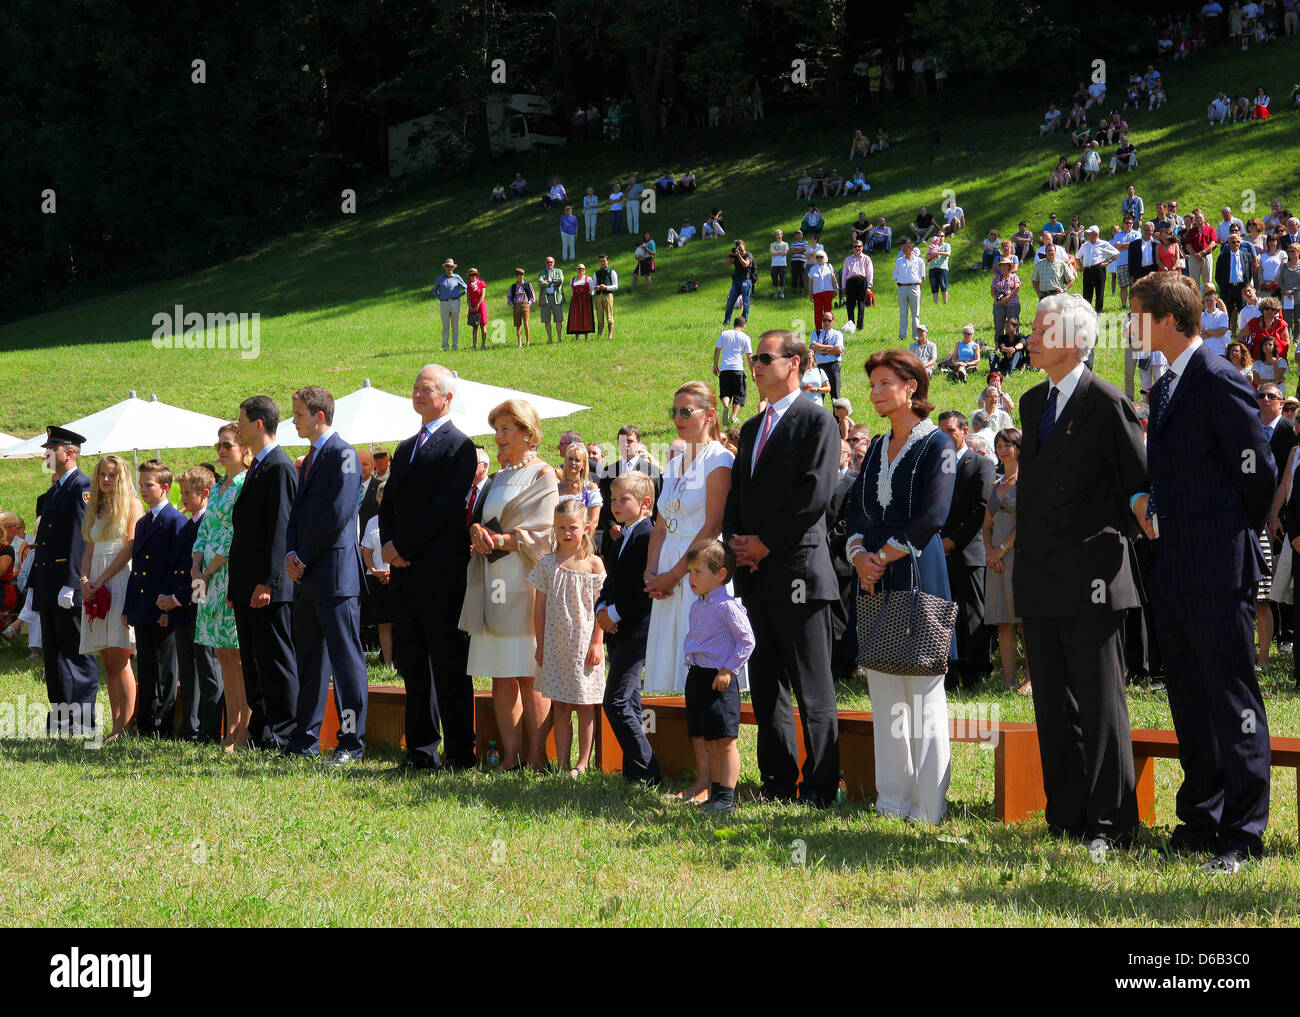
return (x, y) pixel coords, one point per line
(146, 139)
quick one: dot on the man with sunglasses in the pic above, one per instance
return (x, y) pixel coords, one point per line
(782, 485)
(1281, 431)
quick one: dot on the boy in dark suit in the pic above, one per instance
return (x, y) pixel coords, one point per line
(200, 673)
(157, 535)
(623, 612)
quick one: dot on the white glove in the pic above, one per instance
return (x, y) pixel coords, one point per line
(65, 597)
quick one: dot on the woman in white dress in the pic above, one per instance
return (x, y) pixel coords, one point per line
(517, 513)
(694, 494)
(109, 529)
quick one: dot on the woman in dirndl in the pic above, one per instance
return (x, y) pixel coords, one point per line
(582, 317)
(895, 508)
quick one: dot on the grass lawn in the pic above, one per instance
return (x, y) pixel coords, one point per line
(255, 841)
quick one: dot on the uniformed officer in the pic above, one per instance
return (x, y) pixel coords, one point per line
(71, 677)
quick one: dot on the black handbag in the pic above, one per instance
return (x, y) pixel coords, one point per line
(905, 632)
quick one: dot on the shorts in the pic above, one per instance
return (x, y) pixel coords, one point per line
(1121, 275)
(603, 304)
(731, 385)
(552, 312)
(938, 280)
(645, 266)
(711, 715)
(522, 314)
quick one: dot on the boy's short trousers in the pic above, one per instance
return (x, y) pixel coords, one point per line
(711, 715)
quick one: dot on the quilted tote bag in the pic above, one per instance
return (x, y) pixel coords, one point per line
(905, 632)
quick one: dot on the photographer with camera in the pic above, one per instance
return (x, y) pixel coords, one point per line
(743, 274)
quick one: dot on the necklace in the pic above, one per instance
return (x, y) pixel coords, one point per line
(520, 465)
(1009, 479)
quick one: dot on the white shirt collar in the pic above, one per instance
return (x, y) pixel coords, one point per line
(1180, 365)
(1066, 386)
(961, 452)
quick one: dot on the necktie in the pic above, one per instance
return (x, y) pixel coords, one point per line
(1047, 422)
(469, 507)
(1161, 392)
(420, 439)
(146, 526)
(768, 422)
(306, 463)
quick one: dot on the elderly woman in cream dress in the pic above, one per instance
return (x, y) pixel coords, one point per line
(510, 533)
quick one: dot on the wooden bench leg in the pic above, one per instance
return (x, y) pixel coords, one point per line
(858, 761)
(609, 753)
(1145, 769)
(1018, 777)
(672, 746)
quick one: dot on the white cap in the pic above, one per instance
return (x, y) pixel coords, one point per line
(1093, 229)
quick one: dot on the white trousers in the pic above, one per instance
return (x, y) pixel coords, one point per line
(909, 310)
(567, 242)
(450, 322)
(633, 211)
(913, 758)
(589, 218)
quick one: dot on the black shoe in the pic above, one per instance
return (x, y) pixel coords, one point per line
(341, 758)
(1228, 863)
(456, 766)
(410, 766)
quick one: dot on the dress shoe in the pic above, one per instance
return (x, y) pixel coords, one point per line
(411, 766)
(341, 758)
(1228, 863)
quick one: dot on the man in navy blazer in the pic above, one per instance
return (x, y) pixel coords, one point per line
(782, 484)
(1212, 480)
(153, 555)
(71, 677)
(259, 591)
(424, 535)
(323, 559)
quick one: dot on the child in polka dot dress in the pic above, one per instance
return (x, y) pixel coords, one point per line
(570, 654)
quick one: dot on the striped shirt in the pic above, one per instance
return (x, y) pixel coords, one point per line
(720, 636)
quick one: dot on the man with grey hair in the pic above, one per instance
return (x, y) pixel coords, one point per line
(424, 535)
(1095, 257)
(1081, 459)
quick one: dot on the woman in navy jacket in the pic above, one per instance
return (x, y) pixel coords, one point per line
(901, 499)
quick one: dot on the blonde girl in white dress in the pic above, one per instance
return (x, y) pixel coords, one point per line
(694, 495)
(570, 653)
(109, 529)
(498, 609)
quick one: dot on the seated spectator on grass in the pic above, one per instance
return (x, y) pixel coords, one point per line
(924, 350)
(991, 244)
(713, 227)
(687, 182)
(518, 186)
(804, 188)
(812, 223)
(666, 184)
(991, 403)
(965, 357)
(498, 196)
(859, 230)
(1051, 120)
(1096, 94)
(1053, 226)
(1241, 110)
(859, 146)
(818, 179)
(858, 185)
(881, 141)
(1080, 135)
(1133, 94)
(1218, 110)
(1074, 235)
(1091, 162)
(1005, 402)
(923, 225)
(1009, 353)
(954, 218)
(1157, 99)
(679, 238)
(1260, 104)
(1023, 241)
(1076, 117)
(1125, 155)
(1060, 175)
(833, 186)
(556, 196)
(881, 237)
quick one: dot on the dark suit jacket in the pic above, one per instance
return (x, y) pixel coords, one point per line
(369, 502)
(59, 543)
(970, 500)
(423, 514)
(1224, 260)
(784, 503)
(322, 528)
(1213, 479)
(1281, 442)
(261, 521)
(624, 586)
(1135, 269)
(153, 564)
(1073, 521)
(182, 562)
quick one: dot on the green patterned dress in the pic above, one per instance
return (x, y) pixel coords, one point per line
(214, 624)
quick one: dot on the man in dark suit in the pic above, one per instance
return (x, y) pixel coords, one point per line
(153, 566)
(775, 522)
(425, 538)
(324, 562)
(259, 591)
(71, 677)
(623, 612)
(1234, 271)
(1142, 253)
(1212, 482)
(630, 457)
(1281, 439)
(963, 546)
(1081, 459)
(844, 640)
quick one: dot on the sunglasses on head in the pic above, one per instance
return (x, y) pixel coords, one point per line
(766, 358)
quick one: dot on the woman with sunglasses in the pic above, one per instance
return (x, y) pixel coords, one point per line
(214, 623)
(694, 494)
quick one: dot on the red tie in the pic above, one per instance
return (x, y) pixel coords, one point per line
(764, 433)
(469, 508)
(306, 463)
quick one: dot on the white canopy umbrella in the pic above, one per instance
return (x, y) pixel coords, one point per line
(129, 426)
(372, 415)
(7, 441)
